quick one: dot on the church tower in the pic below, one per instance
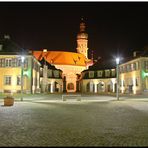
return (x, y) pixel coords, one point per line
(82, 40)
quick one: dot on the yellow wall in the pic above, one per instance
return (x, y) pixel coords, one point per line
(14, 72)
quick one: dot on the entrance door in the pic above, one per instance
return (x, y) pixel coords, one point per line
(130, 88)
(70, 86)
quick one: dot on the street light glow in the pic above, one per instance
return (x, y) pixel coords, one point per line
(22, 65)
(22, 58)
(117, 71)
(117, 60)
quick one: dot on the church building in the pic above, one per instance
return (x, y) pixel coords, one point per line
(70, 63)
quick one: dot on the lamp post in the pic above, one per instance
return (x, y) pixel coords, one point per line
(22, 67)
(117, 73)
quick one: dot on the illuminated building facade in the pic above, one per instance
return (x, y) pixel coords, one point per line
(98, 81)
(60, 71)
(134, 76)
(71, 63)
(11, 66)
(50, 78)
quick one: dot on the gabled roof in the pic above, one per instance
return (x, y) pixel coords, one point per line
(62, 58)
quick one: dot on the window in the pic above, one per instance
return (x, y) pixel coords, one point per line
(146, 64)
(0, 62)
(128, 68)
(91, 74)
(56, 73)
(107, 73)
(121, 69)
(7, 80)
(124, 68)
(137, 65)
(26, 63)
(99, 73)
(18, 80)
(8, 62)
(49, 73)
(19, 62)
(14, 62)
(113, 73)
(3, 62)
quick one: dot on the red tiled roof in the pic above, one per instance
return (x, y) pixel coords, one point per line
(62, 58)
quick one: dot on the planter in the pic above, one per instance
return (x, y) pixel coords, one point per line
(8, 101)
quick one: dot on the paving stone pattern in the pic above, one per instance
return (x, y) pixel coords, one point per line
(108, 123)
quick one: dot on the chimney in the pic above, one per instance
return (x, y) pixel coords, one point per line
(6, 36)
(134, 54)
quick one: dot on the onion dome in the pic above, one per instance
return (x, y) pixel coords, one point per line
(82, 34)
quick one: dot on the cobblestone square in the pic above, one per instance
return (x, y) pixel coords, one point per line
(53, 122)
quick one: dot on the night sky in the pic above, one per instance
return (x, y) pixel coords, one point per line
(113, 28)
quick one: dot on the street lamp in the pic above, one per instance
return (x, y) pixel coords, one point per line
(22, 67)
(117, 72)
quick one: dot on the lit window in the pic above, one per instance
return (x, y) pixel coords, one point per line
(8, 62)
(49, 73)
(0, 62)
(91, 74)
(56, 73)
(7, 80)
(18, 80)
(14, 62)
(137, 65)
(19, 62)
(120, 69)
(146, 64)
(128, 68)
(113, 73)
(107, 73)
(26, 63)
(99, 73)
(3, 62)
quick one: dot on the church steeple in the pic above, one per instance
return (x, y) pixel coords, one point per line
(82, 39)
(82, 26)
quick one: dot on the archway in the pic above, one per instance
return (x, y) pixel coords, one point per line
(70, 86)
(110, 86)
(57, 86)
(90, 87)
(101, 87)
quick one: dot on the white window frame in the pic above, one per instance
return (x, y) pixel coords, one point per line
(9, 62)
(7, 79)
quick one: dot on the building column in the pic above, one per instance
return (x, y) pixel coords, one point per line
(64, 84)
(113, 86)
(52, 87)
(95, 85)
(77, 86)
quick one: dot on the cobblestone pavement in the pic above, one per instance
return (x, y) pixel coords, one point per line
(76, 123)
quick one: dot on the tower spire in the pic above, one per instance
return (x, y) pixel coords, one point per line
(82, 40)
(82, 25)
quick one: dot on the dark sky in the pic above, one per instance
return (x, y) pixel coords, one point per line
(113, 27)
